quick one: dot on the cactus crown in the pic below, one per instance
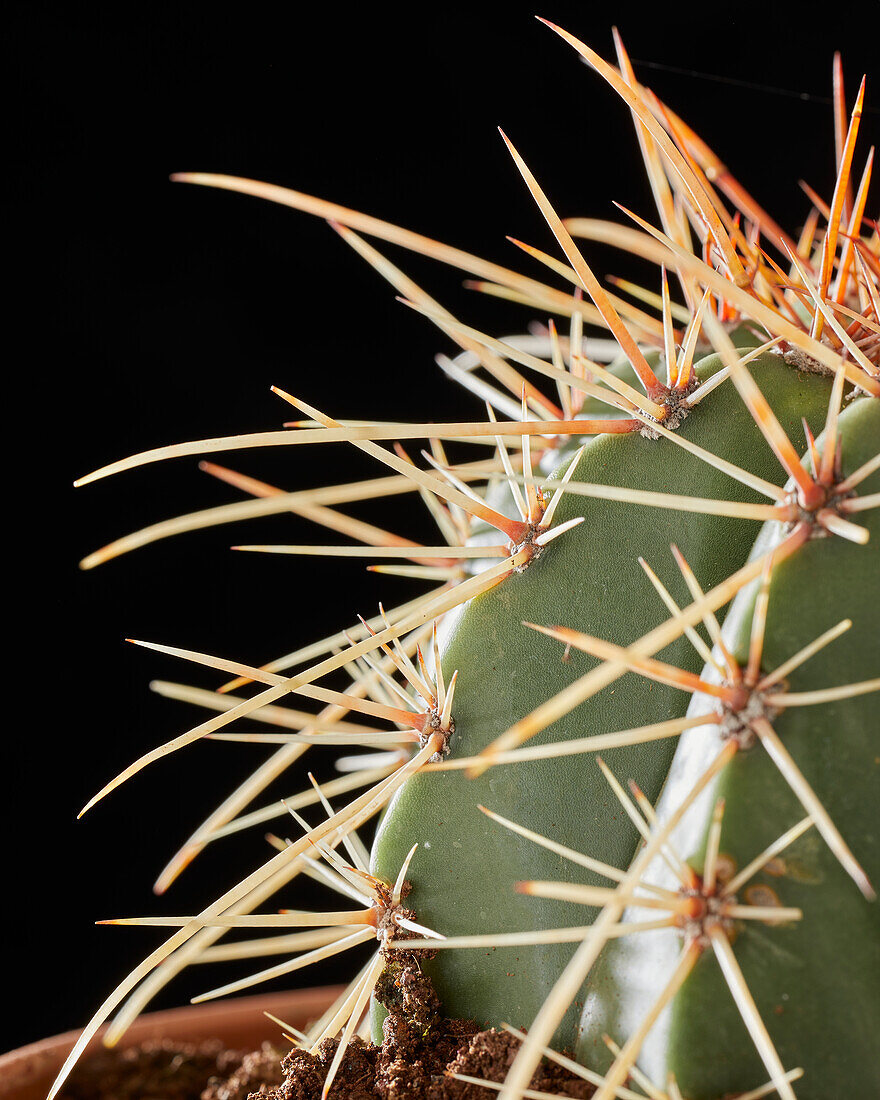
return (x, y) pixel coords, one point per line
(731, 686)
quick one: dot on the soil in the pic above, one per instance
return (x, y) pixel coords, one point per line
(412, 1067)
(419, 1052)
(407, 1066)
(165, 1070)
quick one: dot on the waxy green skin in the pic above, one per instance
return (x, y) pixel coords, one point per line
(816, 982)
(465, 870)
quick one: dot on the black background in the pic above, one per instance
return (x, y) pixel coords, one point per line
(153, 312)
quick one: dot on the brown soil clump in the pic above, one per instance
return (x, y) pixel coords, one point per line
(490, 1055)
(413, 1066)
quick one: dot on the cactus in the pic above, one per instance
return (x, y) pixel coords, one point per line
(730, 682)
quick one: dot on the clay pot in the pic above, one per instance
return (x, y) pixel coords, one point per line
(27, 1073)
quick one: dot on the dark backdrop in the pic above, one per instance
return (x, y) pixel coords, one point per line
(154, 312)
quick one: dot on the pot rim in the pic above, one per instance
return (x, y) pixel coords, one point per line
(27, 1072)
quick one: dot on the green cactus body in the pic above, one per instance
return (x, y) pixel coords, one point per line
(467, 866)
(815, 980)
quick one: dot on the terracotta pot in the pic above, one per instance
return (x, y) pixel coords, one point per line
(27, 1073)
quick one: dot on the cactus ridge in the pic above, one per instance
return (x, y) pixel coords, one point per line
(759, 797)
(557, 655)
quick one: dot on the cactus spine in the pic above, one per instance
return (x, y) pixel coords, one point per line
(708, 461)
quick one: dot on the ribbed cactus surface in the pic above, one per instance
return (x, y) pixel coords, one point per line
(591, 581)
(814, 978)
